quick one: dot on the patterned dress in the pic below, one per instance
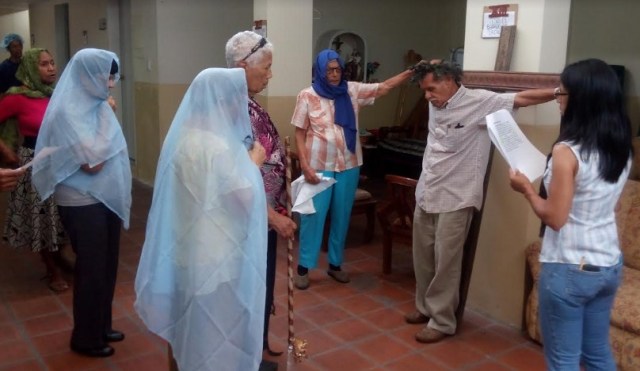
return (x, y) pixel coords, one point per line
(273, 169)
(30, 222)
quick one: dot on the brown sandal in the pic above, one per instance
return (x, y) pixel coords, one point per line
(57, 286)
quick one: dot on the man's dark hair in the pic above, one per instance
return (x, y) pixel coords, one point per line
(439, 69)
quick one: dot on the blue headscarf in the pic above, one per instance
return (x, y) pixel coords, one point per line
(345, 116)
(81, 125)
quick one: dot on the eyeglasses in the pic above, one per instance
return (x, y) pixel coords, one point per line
(257, 47)
(557, 93)
(331, 70)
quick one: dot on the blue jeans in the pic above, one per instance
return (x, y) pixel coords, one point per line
(575, 307)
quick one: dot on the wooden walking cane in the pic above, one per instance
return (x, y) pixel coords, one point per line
(297, 347)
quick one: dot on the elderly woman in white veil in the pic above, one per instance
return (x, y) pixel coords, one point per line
(201, 279)
(88, 171)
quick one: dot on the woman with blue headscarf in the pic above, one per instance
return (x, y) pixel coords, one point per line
(85, 164)
(326, 121)
(201, 279)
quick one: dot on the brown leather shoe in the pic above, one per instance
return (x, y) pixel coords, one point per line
(415, 318)
(429, 335)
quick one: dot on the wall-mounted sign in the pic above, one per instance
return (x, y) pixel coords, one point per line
(496, 16)
(260, 27)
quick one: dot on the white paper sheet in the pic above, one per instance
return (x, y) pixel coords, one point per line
(302, 193)
(44, 153)
(514, 146)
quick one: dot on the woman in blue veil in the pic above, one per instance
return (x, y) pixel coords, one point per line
(201, 279)
(81, 157)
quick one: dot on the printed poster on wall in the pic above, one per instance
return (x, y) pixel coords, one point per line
(496, 16)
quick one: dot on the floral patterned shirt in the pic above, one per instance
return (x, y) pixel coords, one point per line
(273, 169)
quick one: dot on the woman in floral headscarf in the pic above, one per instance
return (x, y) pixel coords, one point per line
(31, 221)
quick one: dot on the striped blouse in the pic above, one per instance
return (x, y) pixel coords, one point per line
(590, 234)
(325, 142)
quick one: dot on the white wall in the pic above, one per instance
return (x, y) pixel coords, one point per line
(17, 23)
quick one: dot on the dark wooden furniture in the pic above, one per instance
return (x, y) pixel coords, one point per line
(396, 215)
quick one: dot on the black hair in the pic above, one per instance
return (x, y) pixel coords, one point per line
(439, 69)
(595, 116)
(114, 67)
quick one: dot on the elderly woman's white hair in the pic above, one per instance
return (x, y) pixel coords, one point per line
(246, 46)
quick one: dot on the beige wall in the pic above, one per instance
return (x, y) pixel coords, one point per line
(609, 31)
(17, 23)
(508, 224)
(83, 16)
(429, 27)
(171, 44)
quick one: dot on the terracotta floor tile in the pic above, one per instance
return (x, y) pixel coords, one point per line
(53, 343)
(13, 352)
(48, 324)
(319, 341)
(354, 326)
(34, 307)
(385, 318)
(148, 362)
(368, 266)
(66, 300)
(323, 314)
(28, 365)
(343, 358)
(406, 334)
(69, 361)
(304, 365)
(127, 325)
(389, 294)
(453, 353)
(383, 348)
(125, 304)
(352, 330)
(487, 341)
(414, 362)
(358, 305)
(489, 366)
(5, 316)
(525, 358)
(10, 333)
(135, 345)
(333, 290)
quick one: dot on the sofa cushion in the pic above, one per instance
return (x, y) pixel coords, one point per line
(626, 310)
(628, 220)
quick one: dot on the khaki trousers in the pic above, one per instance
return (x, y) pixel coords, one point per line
(438, 241)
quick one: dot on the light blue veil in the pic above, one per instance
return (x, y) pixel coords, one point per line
(201, 278)
(84, 128)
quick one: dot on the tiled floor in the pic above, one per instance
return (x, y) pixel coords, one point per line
(357, 326)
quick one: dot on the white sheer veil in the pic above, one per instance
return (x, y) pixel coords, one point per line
(81, 125)
(201, 278)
